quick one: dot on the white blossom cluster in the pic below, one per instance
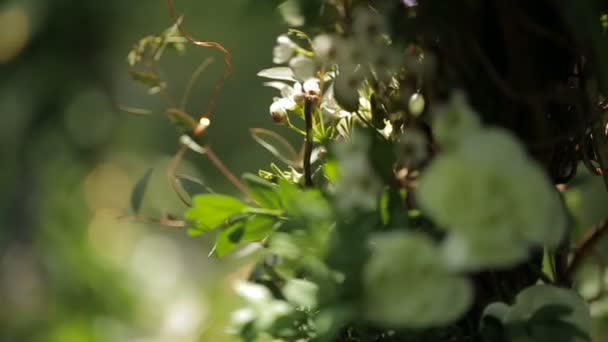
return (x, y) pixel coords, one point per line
(494, 200)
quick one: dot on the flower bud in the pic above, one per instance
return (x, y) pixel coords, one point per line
(312, 87)
(416, 104)
(278, 112)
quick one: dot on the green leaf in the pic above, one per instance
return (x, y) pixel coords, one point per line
(257, 227)
(278, 73)
(229, 238)
(309, 204)
(265, 193)
(275, 144)
(137, 195)
(331, 169)
(212, 210)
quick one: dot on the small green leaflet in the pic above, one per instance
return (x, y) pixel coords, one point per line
(254, 228)
(212, 210)
(228, 239)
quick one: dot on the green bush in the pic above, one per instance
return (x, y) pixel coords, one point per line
(430, 199)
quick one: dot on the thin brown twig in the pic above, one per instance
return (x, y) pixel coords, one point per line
(171, 171)
(217, 162)
(192, 82)
(205, 44)
(162, 221)
(201, 128)
(586, 246)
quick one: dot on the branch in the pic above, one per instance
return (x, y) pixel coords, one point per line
(587, 246)
(214, 45)
(308, 108)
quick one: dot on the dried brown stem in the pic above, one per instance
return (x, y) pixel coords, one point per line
(227, 58)
(217, 162)
(586, 246)
(171, 171)
(165, 222)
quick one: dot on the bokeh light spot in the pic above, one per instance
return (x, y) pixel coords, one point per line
(14, 32)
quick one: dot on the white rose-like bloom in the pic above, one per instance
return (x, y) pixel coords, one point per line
(495, 201)
(324, 46)
(303, 68)
(284, 50)
(407, 286)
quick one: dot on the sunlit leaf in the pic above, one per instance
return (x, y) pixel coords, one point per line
(308, 203)
(265, 193)
(257, 227)
(229, 238)
(212, 210)
(137, 195)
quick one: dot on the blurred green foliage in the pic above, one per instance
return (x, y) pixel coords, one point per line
(70, 268)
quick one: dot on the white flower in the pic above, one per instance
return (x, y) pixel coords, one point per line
(407, 286)
(284, 50)
(295, 93)
(330, 107)
(303, 67)
(324, 47)
(312, 87)
(493, 199)
(279, 108)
